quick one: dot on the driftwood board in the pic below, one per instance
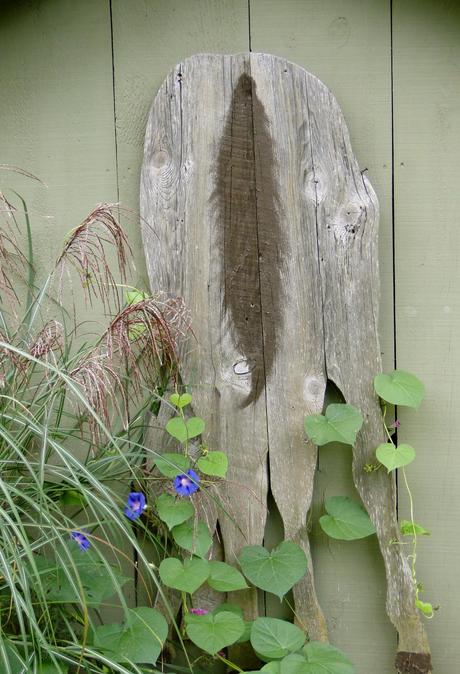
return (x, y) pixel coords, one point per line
(257, 214)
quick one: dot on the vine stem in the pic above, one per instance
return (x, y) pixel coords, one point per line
(230, 664)
(414, 547)
(289, 605)
(413, 556)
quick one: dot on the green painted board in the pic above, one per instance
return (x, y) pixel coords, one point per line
(347, 45)
(57, 120)
(56, 112)
(427, 204)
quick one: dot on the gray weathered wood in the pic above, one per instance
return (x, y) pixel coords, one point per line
(347, 215)
(260, 218)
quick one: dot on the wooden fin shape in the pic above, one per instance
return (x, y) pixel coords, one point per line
(256, 213)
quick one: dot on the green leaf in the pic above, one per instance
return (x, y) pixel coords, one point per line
(171, 465)
(247, 632)
(346, 519)
(394, 457)
(317, 658)
(187, 576)
(173, 511)
(185, 429)
(50, 668)
(135, 296)
(195, 539)
(270, 668)
(425, 607)
(224, 578)
(135, 330)
(62, 585)
(212, 632)
(233, 608)
(409, 528)
(72, 497)
(400, 388)
(276, 571)
(180, 401)
(273, 638)
(10, 658)
(341, 423)
(140, 639)
(213, 463)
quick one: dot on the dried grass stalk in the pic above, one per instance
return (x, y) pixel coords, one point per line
(85, 251)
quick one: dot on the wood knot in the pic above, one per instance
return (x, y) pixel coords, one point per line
(242, 366)
(160, 158)
(413, 663)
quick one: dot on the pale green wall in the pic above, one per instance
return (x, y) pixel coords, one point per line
(74, 114)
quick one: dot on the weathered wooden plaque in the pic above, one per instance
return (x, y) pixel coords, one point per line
(257, 214)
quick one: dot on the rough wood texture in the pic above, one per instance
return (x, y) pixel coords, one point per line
(347, 44)
(347, 213)
(282, 280)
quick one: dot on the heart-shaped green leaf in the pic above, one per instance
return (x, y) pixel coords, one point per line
(171, 465)
(180, 401)
(212, 632)
(276, 571)
(185, 429)
(341, 423)
(409, 528)
(187, 576)
(224, 578)
(346, 519)
(233, 608)
(140, 639)
(273, 638)
(213, 463)
(394, 457)
(317, 658)
(173, 511)
(195, 539)
(400, 388)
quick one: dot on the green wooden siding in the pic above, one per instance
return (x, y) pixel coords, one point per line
(77, 80)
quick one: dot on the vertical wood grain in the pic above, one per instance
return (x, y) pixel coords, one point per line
(426, 42)
(346, 43)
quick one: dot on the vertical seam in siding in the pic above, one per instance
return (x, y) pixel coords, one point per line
(249, 26)
(393, 225)
(114, 100)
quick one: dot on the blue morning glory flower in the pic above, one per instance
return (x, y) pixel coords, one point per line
(187, 483)
(135, 505)
(80, 538)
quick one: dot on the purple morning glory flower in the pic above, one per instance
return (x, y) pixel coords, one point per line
(395, 424)
(80, 538)
(135, 505)
(187, 483)
(199, 611)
